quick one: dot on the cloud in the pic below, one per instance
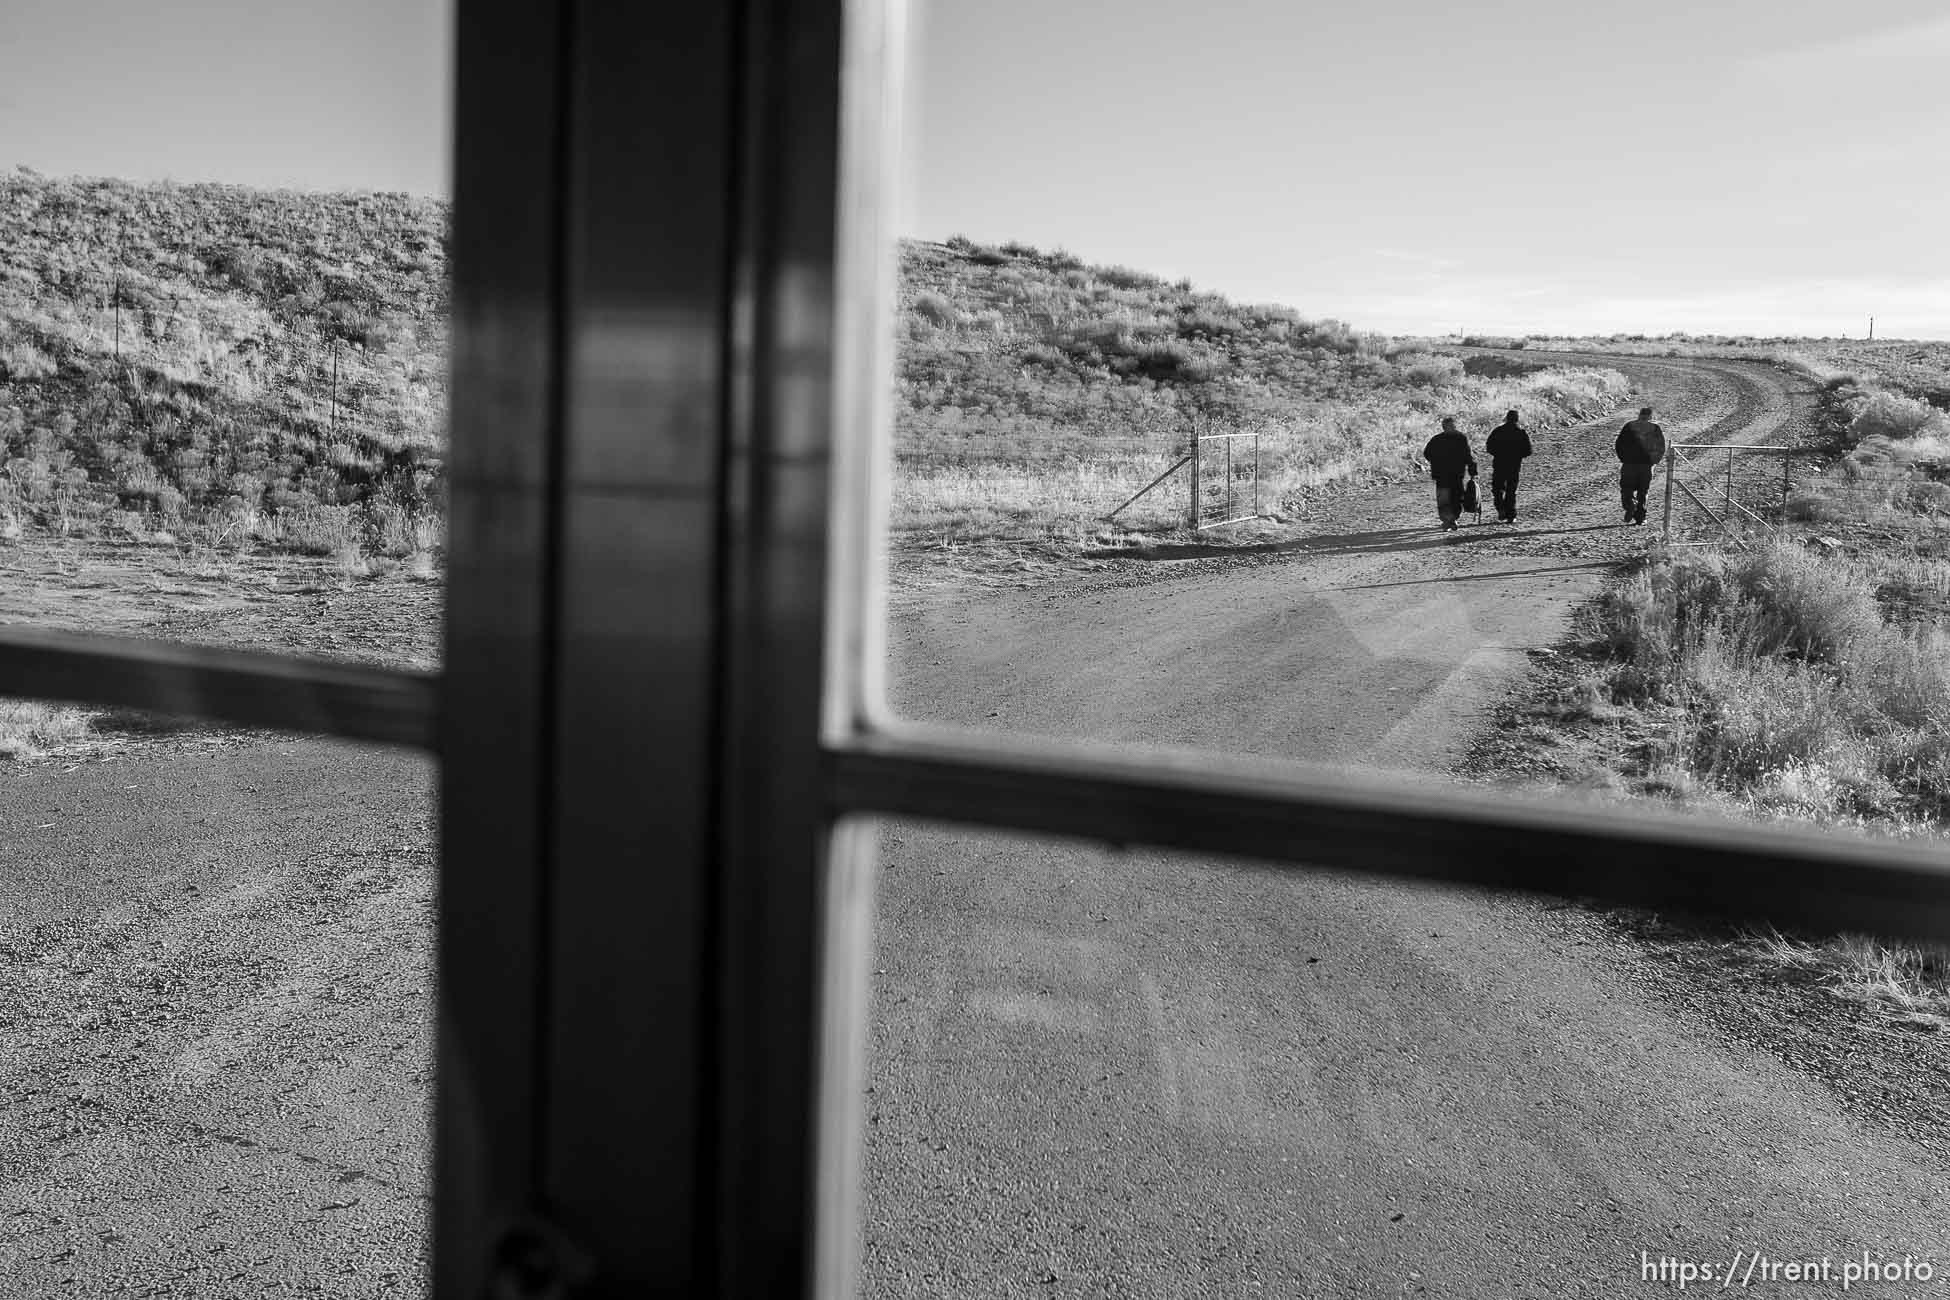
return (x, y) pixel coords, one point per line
(1926, 42)
(1814, 306)
(1427, 260)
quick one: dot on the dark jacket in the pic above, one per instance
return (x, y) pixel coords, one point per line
(1641, 443)
(1448, 454)
(1507, 442)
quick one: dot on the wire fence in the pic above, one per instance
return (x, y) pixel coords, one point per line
(1148, 481)
(315, 371)
(1717, 494)
(160, 407)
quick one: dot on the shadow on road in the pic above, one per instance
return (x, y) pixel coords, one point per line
(1378, 542)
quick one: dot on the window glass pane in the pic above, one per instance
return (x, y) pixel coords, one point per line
(223, 326)
(1168, 461)
(223, 397)
(1165, 470)
(215, 990)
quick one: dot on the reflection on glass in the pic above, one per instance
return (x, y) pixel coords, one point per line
(1097, 1073)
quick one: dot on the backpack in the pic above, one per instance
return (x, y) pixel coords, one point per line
(1470, 504)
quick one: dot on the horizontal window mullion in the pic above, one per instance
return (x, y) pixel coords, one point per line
(241, 687)
(1375, 825)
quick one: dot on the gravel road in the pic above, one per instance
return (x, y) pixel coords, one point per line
(215, 994)
(1137, 1074)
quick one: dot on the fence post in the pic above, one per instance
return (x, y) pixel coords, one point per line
(1229, 480)
(1729, 485)
(1787, 459)
(1195, 460)
(1255, 476)
(1668, 459)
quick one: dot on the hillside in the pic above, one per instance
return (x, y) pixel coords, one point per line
(246, 366)
(230, 367)
(1036, 392)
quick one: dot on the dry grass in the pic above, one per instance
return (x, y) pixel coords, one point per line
(1809, 677)
(996, 499)
(29, 729)
(1054, 488)
(1806, 679)
(1910, 981)
(1796, 682)
(1035, 394)
(218, 363)
(1783, 684)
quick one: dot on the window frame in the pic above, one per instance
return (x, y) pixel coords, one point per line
(660, 760)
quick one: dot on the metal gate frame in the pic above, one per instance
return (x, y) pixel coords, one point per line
(1673, 458)
(1228, 439)
(1194, 522)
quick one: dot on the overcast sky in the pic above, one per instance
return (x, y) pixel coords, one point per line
(1407, 165)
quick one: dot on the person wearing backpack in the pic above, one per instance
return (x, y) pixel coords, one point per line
(1641, 445)
(1449, 457)
(1507, 445)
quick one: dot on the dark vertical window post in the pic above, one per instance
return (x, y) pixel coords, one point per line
(635, 833)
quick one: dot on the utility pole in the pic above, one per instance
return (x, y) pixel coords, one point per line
(1872, 329)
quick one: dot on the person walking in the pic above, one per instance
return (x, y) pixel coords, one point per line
(1507, 445)
(1449, 458)
(1641, 445)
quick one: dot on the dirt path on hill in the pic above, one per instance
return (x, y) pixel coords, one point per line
(1141, 1074)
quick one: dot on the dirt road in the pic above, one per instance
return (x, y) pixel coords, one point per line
(1103, 1074)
